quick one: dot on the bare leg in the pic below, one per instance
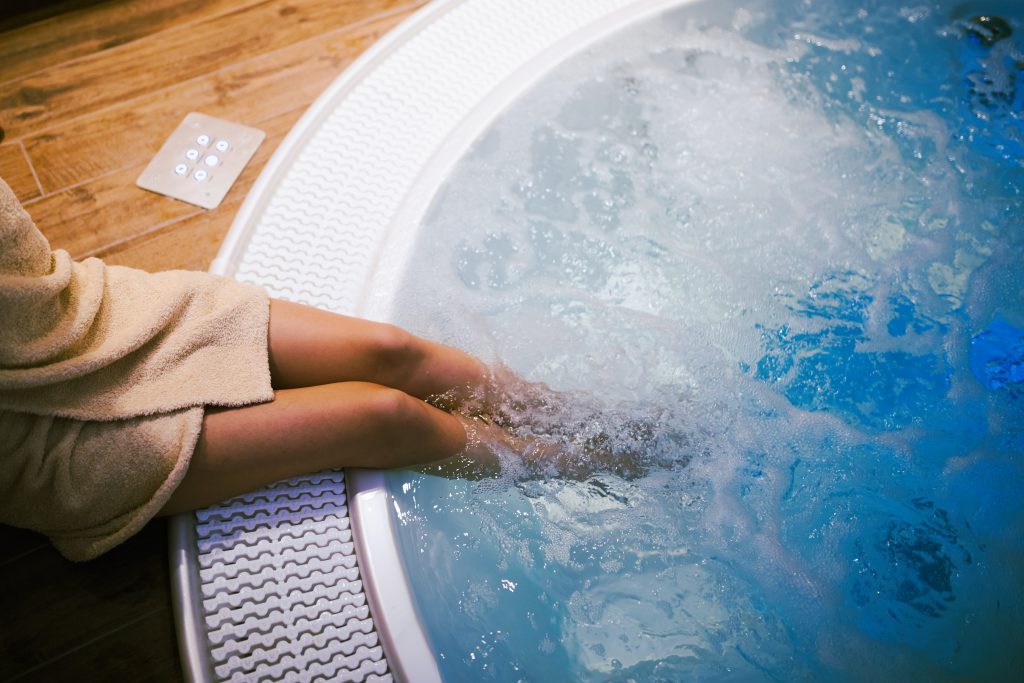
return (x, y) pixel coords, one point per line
(351, 424)
(351, 393)
(309, 347)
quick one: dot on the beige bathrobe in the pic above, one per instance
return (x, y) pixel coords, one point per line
(104, 374)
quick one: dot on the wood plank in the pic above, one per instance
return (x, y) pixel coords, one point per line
(59, 606)
(94, 217)
(189, 244)
(192, 242)
(258, 88)
(17, 13)
(15, 170)
(112, 218)
(111, 77)
(98, 26)
(16, 543)
(143, 650)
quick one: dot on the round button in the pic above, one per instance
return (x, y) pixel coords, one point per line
(221, 145)
(203, 140)
(181, 169)
(211, 160)
(200, 175)
(192, 154)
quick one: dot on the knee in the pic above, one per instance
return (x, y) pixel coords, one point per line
(397, 354)
(388, 405)
(406, 425)
(394, 412)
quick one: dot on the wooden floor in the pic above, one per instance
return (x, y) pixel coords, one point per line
(89, 91)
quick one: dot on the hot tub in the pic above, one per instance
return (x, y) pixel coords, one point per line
(768, 254)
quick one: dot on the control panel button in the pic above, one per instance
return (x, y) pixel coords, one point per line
(200, 175)
(211, 160)
(203, 140)
(181, 169)
(221, 146)
(192, 154)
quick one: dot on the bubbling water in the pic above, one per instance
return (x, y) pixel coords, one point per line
(748, 248)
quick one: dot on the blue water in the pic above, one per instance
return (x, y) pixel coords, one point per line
(774, 252)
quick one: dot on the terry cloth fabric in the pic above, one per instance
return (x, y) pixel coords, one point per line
(104, 373)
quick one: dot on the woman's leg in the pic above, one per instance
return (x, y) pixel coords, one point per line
(309, 347)
(350, 393)
(351, 424)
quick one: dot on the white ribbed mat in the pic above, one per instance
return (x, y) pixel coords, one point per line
(267, 585)
(281, 593)
(269, 588)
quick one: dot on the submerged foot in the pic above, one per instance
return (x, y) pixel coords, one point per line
(531, 431)
(493, 449)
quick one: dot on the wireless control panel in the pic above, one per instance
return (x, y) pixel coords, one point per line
(201, 160)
